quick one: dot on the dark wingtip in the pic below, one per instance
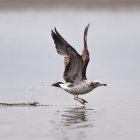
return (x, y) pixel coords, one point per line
(85, 36)
(86, 29)
(56, 30)
(88, 25)
(52, 32)
(105, 84)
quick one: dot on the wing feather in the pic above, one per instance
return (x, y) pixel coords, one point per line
(73, 61)
(85, 54)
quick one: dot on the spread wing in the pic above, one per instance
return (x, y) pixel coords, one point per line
(72, 60)
(85, 54)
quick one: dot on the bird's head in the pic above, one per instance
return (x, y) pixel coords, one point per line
(97, 84)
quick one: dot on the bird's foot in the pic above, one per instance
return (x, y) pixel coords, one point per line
(82, 101)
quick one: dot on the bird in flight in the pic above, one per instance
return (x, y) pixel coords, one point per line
(76, 82)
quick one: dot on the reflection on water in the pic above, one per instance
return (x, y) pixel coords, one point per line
(77, 117)
(75, 123)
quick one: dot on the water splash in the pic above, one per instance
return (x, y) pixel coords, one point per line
(18, 104)
(31, 99)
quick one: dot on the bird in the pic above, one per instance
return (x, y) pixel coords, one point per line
(74, 75)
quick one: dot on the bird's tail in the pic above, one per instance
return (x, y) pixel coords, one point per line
(57, 84)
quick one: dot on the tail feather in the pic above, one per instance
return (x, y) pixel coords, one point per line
(57, 84)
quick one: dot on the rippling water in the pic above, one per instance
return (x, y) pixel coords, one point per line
(31, 109)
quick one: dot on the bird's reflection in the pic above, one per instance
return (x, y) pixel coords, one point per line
(77, 117)
(74, 123)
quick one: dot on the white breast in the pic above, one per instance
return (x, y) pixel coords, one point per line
(82, 88)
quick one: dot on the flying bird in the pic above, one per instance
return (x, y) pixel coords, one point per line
(74, 75)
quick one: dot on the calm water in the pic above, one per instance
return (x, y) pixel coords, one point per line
(29, 64)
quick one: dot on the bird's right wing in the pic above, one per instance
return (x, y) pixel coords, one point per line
(73, 61)
(85, 54)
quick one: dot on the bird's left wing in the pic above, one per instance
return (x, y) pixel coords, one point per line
(73, 61)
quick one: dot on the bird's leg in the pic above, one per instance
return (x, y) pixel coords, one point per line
(82, 101)
(77, 99)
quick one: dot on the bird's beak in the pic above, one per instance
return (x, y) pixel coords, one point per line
(103, 84)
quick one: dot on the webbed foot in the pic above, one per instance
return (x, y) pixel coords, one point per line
(82, 101)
